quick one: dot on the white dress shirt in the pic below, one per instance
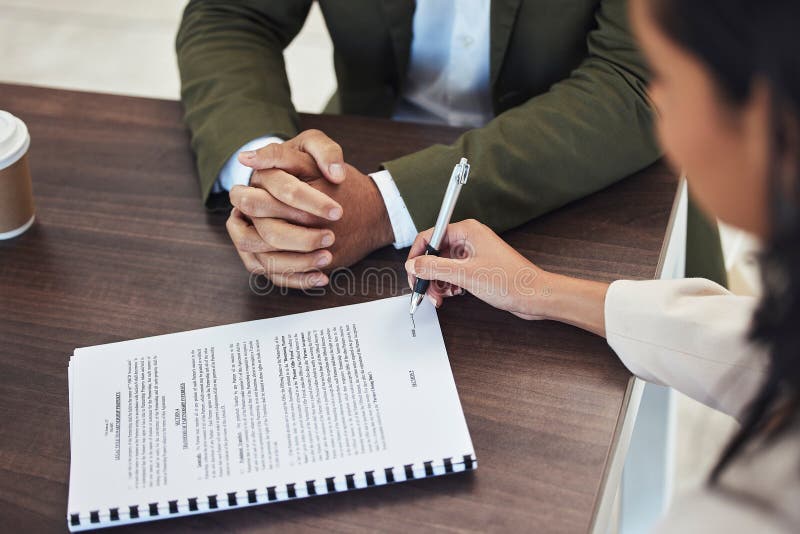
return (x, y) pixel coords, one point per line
(447, 83)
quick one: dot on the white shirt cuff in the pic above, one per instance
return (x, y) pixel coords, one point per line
(402, 225)
(234, 173)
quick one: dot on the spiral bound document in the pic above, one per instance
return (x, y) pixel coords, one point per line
(260, 412)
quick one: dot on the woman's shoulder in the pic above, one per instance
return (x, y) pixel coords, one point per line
(758, 492)
(710, 511)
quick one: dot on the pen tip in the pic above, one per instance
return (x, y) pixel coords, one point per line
(416, 299)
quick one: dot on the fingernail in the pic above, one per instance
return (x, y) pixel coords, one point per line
(319, 281)
(323, 260)
(433, 301)
(410, 266)
(327, 240)
(335, 214)
(248, 154)
(336, 170)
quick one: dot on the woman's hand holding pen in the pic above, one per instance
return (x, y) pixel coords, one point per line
(475, 259)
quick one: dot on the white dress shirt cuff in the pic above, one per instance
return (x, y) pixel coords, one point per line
(234, 173)
(402, 225)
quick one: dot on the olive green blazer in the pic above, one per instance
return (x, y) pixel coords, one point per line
(568, 90)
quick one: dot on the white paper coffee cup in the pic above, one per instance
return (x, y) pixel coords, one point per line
(16, 193)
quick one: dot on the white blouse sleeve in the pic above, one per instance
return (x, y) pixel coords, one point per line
(691, 335)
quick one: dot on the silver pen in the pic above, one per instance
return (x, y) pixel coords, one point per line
(457, 179)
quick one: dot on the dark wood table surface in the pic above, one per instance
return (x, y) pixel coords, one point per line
(123, 248)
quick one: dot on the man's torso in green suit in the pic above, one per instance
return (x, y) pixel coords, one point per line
(567, 85)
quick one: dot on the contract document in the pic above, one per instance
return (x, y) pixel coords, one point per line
(259, 412)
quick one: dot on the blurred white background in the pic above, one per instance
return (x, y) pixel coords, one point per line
(127, 47)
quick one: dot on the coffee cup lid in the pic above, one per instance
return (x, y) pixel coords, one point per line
(14, 139)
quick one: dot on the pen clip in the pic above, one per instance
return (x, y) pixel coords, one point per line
(461, 171)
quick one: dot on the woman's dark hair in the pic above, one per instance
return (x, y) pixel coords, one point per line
(744, 42)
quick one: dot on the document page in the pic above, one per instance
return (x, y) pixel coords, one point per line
(249, 413)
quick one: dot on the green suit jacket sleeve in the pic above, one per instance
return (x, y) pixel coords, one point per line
(586, 132)
(234, 86)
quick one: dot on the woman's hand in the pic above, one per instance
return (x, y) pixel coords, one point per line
(473, 258)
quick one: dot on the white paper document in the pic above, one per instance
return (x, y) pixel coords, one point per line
(259, 412)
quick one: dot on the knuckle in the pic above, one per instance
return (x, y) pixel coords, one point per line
(288, 193)
(263, 179)
(238, 241)
(246, 244)
(267, 261)
(245, 201)
(272, 152)
(235, 193)
(257, 178)
(274, 238)
(270, 239)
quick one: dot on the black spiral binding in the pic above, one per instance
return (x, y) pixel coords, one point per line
(173, 507)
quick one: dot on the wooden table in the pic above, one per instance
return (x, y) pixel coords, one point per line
(123, 248)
